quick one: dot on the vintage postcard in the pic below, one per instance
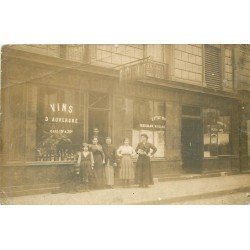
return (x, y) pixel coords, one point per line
(125, 124)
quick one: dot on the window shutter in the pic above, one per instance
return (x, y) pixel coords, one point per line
(213, 67)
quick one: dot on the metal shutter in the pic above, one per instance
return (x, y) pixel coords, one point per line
(213, 67)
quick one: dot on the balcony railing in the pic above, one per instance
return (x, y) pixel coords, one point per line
(142, 69)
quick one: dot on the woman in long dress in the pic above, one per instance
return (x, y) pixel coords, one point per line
(99, 161)
(143, 167)
(126, 152)
(110, 162)
(86, 167)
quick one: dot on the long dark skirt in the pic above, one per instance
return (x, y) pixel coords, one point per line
(100, 171)
(87, 174)
(143, 171)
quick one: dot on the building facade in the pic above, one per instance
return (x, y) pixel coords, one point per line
(191, 101)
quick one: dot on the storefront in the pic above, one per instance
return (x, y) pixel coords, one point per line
(49, 110)
(55, 107)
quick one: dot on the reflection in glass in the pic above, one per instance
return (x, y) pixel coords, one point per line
(217, 130)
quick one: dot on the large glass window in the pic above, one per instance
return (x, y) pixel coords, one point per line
(155, 51)
(149, 118)
(59, 124)
(217, 132)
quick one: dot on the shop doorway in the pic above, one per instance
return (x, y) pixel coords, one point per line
(98, 115)
(99, 119)
(191, 137)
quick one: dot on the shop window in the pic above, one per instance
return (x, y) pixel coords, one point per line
(149, 118)
(59, 124)
(217, 133)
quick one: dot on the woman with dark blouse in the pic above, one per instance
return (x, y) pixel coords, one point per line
(143, 166)
(99, 161)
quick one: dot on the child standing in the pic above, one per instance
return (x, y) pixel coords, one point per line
(85, 163)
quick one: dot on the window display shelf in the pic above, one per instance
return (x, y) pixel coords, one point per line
(47, 163)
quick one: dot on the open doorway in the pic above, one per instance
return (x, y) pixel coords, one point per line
(98, 115)
(191, 137)
(99, 119)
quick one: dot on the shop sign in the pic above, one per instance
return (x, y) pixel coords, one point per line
(155, 123)
(60, 118)
(151, 126)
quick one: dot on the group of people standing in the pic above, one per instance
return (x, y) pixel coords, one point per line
(98, 162)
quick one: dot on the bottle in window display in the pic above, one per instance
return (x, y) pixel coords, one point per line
(60, 156)
(45, 157)
(38, 154)
(63, 155)
(52, 157)
(56, 156)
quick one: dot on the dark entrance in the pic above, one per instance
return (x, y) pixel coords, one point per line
(99, 119)
(191, 137)
(99, 115)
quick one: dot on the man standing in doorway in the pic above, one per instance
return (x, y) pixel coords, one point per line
(96, 134)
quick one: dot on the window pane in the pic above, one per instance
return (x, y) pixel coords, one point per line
(98, 100)
(135, 138)
(210, 119)
(217, 131)
(59, 124)
(155, 51)
(143, 115)
(149, 118)
(224, 147)
(159, 142)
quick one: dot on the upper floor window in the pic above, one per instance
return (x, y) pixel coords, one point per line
(213, 72)
(155, 52)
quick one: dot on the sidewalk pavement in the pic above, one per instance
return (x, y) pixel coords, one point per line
(161, 193)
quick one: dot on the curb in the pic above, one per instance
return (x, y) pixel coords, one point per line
(198, 176)
(171, 201)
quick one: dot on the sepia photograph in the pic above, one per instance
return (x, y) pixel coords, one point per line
(125, 124)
